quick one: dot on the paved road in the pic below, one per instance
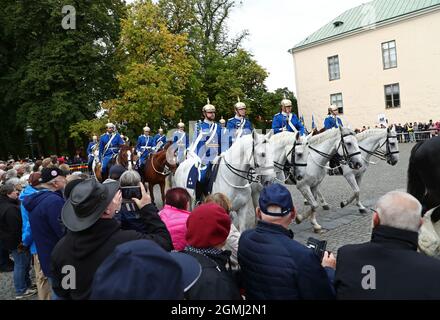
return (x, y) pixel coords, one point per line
(342, 226)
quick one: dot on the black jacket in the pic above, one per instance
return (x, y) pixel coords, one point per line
(215, 282)
(400, 272)
(276, 267)
(86, 250)
(10, 223)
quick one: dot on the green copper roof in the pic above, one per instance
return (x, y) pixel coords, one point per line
(373, 12)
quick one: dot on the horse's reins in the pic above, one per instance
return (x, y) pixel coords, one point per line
(165, 172)
(346, 156)
(250, 173)
(379, 153)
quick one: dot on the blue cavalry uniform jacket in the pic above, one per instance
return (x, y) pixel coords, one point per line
(276, 267)
(330, 122)
(181, 143)
(234, 124)
(114, 146)
(280, 123)
(159, 138)
(203, 132)
(90, 148)
(144, 146)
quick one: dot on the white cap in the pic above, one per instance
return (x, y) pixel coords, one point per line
(333, 107)
(180, 124)
(110, 125)
(147, 129)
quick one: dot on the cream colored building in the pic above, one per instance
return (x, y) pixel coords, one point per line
(381, 58)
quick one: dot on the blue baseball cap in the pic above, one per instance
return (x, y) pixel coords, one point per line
(275, 195)
(142, 270)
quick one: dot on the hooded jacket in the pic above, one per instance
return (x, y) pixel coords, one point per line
(45, 220)
(87, 249)
(26, 236)
(175, 220)
(10, 223)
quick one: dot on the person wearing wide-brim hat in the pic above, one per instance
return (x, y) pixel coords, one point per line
(93, 234)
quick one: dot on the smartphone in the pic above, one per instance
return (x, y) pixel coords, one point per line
(318, 246)
(131, 192)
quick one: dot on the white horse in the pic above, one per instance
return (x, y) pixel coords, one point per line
(381, 143)
(248, 161)
(318, 151)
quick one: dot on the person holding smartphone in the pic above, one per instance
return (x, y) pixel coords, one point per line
(129, 215)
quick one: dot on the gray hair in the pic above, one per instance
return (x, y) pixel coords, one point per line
(130, 178)
(6, 189)
(399, 210)
(11, 173)
(13, 182)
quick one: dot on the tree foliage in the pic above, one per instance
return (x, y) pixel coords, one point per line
(156, 69)
(52, 77)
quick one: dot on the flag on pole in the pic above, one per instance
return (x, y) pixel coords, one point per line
(313, 123)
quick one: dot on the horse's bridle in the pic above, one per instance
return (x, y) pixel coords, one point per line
(251, 174)
(346, 156)
(379, 153)
(290, 166)
(166, 170)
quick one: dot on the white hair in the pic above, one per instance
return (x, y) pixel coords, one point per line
(399, 210)
(130, 178)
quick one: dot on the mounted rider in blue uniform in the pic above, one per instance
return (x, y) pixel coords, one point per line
(180, 142)
(238, 125)
(286, 120)
(333, 121)
(159, 141)
(90, 150)
(109, 145)
(143, 147)
(205, 145)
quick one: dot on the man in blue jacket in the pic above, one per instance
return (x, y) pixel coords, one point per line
(276, 267)
(286, 120)
(332, 120)
(44, 209)
(239, 125)
(27, 239)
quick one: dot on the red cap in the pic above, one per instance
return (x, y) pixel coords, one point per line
(207, 226)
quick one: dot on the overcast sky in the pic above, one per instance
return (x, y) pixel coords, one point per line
(275, 26)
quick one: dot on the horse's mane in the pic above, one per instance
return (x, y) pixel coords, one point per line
(326, 135)
(369, 133)
(284, 137)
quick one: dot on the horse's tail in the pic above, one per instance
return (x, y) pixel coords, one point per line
(415, 184)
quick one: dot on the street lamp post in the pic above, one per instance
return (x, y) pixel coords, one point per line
(29, 132)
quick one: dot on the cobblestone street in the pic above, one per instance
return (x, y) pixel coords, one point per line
(341, 226)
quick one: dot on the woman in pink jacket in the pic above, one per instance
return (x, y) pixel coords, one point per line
(174, 214)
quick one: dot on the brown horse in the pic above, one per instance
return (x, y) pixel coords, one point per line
(124, 158)
(157, 168)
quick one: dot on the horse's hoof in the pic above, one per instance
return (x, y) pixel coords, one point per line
(298, 219)
(326, 207)
(363, 210)
(317, 229)
(342, 205)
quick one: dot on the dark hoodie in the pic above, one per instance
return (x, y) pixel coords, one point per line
(10, 223)
(86, 250)
(44, 209)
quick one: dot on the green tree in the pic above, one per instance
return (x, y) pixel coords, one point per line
(156, 69)
(56, 77)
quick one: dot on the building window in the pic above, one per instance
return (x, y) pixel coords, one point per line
(392, 96)
(333, 68)
(389, 54)
(336, 99)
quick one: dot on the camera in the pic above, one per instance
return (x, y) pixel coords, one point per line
(318, 246)
(131, 192)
